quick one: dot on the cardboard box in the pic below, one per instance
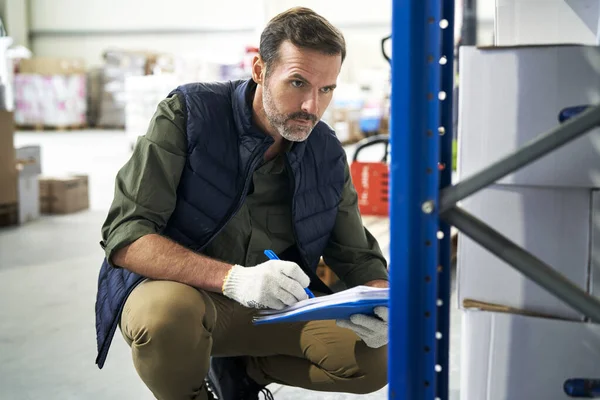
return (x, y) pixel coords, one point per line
(595, 245)
(29, 167)
(52, 66)
(514, 357)
(64, 195)
(520, 22)
(551, 223)
(511, 95)
(8, 171)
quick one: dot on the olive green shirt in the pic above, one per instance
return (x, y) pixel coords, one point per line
(145, 196)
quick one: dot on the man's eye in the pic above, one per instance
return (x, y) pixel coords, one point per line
(326, 90)
(297, 84)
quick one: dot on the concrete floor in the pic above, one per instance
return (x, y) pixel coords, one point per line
(48, 272)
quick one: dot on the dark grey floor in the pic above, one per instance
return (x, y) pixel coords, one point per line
(48, 271)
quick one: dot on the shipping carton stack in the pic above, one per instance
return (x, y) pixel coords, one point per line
(519, 341)
(118, 66)
(50, 92)
(8, 171)
(534, 22)
(142, 95)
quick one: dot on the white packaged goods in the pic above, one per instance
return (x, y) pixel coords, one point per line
(515, 357)
(519, 22)
(551, 223)
(142, 95)
(510, 95)
(53, 100)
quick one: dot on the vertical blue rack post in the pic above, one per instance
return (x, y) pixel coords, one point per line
(420, 139)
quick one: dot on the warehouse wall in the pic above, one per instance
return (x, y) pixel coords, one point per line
(221, 30)
(75, 28)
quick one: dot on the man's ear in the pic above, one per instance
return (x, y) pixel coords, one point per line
(258, 69)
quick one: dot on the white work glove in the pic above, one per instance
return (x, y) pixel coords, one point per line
(372, 330)
(273, 284)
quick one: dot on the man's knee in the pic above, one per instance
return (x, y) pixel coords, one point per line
(167, 317)
(373, 368)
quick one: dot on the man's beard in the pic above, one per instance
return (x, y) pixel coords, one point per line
(294, 132)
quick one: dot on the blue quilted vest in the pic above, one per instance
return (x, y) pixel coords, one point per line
(224, 149)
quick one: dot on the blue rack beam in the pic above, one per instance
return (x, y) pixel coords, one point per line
(419, 262)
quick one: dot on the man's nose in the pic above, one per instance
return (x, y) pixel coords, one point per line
(311, 104)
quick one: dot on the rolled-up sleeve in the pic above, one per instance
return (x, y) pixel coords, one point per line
(146, 186)
(352, 252)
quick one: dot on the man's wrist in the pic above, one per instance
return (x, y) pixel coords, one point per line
(226, 277)
(378, 283)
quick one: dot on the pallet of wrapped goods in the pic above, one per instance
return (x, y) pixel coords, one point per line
(142, 95)
(50, 93)
(119, 65)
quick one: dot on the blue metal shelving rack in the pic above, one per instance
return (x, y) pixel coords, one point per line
(423, 202)
(421, 152)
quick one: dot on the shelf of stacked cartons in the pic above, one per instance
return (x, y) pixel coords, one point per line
(528, 167)
(528, 164)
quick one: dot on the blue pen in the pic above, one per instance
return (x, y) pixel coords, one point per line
(272, 256)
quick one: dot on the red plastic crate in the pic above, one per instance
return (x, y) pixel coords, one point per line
(371, 180)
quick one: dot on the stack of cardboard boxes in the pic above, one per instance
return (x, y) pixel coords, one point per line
(519, 341)
(8, 172)
(24, 192)
(118, 65)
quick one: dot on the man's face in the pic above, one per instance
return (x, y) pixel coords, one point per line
(298, 89)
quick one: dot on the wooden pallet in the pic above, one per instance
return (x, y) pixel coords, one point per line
(108, 127)
(9, 214)
(41, 127)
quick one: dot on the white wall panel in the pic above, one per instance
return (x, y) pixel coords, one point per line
(219, 47)
(52, 15)
(341, 12)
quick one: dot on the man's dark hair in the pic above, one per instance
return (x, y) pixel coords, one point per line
(304, 28)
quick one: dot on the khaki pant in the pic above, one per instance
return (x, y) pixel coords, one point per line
(173, 329)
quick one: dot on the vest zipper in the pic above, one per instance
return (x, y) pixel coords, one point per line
(238, 202)
(316, 284)
(292, 177)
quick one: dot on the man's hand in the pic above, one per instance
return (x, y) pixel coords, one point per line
(372, 330)
(272, 284)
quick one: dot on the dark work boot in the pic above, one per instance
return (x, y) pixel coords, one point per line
(228, 380)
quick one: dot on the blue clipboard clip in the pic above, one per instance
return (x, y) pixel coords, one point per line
(272, 256)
